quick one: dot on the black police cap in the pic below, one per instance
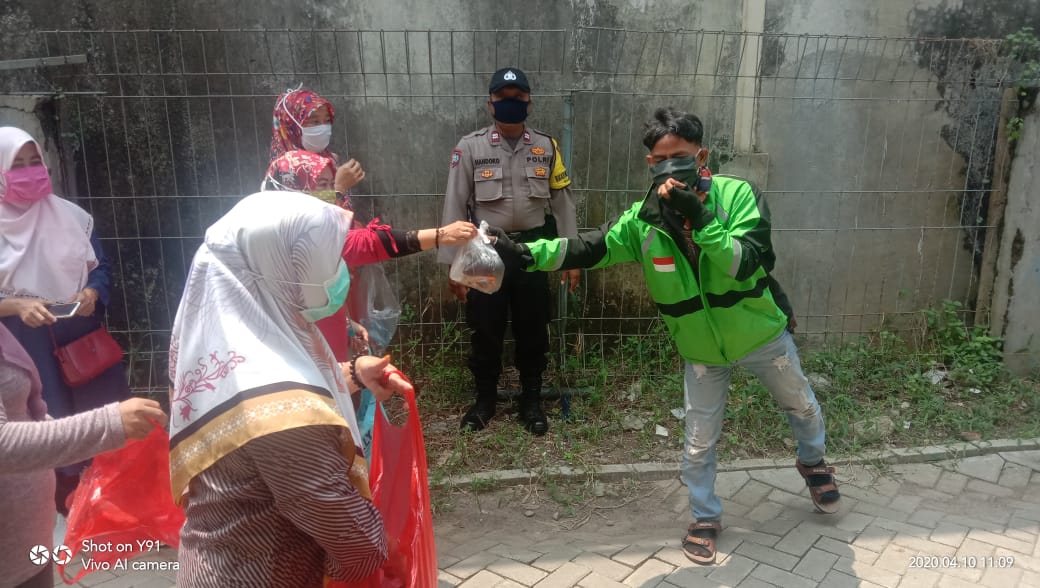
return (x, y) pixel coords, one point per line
(508, 76)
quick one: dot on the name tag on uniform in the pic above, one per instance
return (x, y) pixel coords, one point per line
(664, 264)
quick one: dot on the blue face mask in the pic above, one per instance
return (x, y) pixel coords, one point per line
(336, 289)
(510, 110)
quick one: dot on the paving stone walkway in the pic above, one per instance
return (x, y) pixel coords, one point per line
(954, 523)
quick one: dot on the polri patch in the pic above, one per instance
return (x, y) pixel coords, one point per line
(537, 150)
(456, 157)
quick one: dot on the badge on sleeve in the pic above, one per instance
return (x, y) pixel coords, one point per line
(559, 179)
(456, 157)
(664, 264)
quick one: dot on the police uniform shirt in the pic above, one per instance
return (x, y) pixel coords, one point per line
(509, 187)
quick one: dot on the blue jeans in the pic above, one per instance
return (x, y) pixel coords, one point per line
(777, 365)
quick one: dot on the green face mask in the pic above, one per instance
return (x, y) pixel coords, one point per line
(336, 289)
(323, 195)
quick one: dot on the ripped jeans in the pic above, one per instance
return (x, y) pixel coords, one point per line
(777, 366)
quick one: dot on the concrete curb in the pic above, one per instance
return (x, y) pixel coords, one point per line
(655, 471)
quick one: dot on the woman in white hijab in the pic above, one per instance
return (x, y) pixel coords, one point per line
(49, 253)
(264, 444)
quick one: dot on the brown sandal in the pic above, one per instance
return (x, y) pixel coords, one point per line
(701, 550)
(823, 490)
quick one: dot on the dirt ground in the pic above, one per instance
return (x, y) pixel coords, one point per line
(543, 510)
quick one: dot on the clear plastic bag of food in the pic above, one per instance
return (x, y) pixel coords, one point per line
(373, 302)
(477, 264)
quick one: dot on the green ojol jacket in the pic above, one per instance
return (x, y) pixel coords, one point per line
(719, 307)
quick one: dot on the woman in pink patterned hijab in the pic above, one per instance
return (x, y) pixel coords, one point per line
(295, 111)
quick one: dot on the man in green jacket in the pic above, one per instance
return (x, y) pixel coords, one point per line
(706, 253)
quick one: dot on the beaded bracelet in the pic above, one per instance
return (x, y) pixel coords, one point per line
(353, 373)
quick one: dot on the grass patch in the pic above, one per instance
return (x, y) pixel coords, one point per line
(877, 392)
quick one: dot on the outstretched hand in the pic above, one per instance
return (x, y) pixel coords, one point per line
(511, 253)
(380, 376)
(457, 233)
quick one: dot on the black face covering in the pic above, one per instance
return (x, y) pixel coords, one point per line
(684, 169)
(510, 110)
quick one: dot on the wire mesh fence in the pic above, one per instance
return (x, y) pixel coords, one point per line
(875, 155)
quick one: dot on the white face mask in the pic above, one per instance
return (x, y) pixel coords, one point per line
(316, 138)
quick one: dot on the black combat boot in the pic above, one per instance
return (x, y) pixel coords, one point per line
(483, 410)
(530, 409)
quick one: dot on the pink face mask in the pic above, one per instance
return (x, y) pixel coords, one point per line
(26, 185)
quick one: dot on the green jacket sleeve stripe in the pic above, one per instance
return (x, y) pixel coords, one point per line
(743, 244)
(607, 245)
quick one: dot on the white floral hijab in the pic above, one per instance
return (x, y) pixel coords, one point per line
(243, 361)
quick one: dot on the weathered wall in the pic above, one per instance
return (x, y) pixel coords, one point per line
(1016, 295)
(865, 192)
(873, 151)
(171, 161)
(25, 113)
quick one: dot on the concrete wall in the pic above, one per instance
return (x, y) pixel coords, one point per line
(24, 112)
(1016, 295)
(865, 192)
(865, 175)
(396, 15)
(403, 100)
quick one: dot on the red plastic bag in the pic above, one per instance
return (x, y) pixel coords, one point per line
(123, 506)
(401, 492)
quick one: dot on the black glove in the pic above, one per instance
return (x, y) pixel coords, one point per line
(513, 254)
(689, 204)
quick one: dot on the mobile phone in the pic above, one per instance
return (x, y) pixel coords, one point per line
(63, 310)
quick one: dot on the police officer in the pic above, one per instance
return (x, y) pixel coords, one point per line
(513, 177)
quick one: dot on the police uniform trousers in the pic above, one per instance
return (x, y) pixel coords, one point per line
(524, 299)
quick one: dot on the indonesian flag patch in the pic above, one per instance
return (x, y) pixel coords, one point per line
(664, 264)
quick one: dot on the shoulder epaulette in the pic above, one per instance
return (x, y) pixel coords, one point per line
(542, 133)
(477, 133)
